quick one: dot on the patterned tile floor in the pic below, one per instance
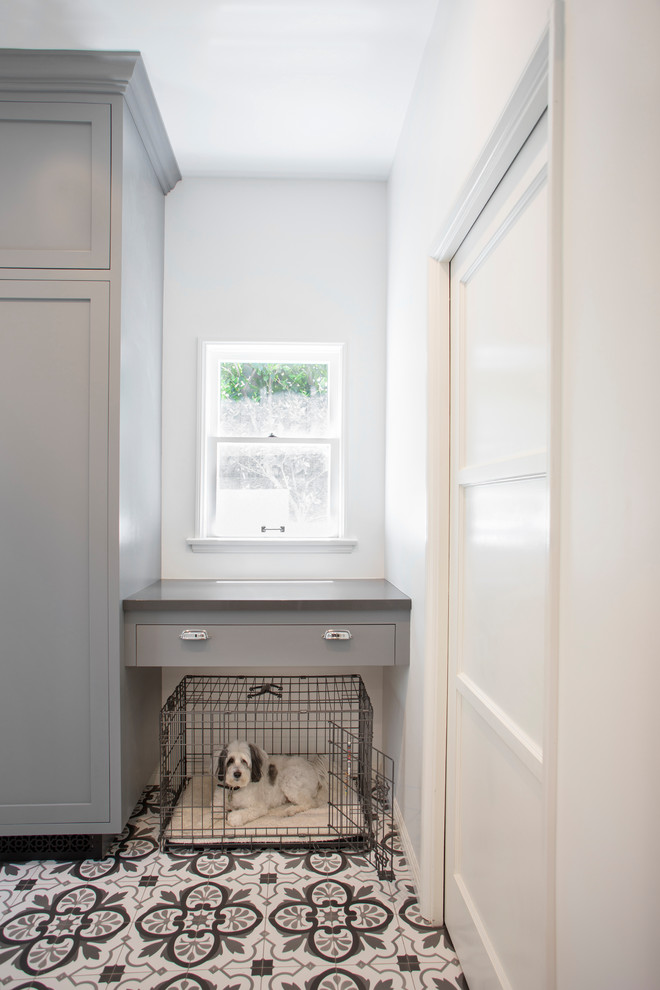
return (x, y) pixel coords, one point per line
(145, 920)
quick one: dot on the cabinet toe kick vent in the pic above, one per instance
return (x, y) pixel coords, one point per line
(21, 848)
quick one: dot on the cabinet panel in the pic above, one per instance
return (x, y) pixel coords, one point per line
(54, 185)
(53, 543)
(302, 644)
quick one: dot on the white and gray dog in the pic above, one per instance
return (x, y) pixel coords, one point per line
(261, 784)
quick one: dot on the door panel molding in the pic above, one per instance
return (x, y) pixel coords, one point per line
(535, 186)
(527, 751)
(532, 465)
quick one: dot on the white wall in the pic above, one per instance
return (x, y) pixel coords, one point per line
(475, 55)
(608, 863)
(609, 664)
(252, 259)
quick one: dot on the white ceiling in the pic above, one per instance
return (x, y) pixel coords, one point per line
(256, 87)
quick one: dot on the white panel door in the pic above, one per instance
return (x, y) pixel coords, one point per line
(495, 883)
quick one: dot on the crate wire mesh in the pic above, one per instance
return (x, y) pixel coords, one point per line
(326, 716)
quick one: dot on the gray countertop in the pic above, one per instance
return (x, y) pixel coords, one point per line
(355, 593)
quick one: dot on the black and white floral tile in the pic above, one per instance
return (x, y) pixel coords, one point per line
(141, 919)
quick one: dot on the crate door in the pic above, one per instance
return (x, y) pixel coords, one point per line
(361, 789)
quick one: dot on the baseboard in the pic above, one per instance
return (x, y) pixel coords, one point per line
(23, 848)
(407, 846)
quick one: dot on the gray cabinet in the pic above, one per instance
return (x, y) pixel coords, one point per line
(84, 167)
(323, 624)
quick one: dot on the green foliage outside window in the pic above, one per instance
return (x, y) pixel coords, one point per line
(242, 380)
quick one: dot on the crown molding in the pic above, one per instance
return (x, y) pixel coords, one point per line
(97, 73)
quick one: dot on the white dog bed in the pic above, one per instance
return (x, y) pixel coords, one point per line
(195, 821)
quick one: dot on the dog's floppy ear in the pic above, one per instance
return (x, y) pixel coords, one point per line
(257, 757)
(219, 765)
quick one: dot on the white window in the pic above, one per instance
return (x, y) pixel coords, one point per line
(271, 441)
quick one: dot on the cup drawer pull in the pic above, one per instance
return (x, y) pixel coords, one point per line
(194, 634)
(337, 634)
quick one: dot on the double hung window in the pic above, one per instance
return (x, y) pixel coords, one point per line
(271, 441)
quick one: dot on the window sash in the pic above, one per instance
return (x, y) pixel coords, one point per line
(212, 355)
(328, 531)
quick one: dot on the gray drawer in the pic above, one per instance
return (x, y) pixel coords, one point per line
(265, 645)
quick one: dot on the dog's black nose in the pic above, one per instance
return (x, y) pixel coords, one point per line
(237, 774)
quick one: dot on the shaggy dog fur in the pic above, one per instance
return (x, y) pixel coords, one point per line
(261, 784)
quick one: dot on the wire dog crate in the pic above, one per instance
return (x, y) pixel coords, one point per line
(328, 719)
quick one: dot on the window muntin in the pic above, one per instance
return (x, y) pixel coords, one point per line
(271, 457)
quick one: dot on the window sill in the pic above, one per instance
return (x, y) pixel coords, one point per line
(211, 545)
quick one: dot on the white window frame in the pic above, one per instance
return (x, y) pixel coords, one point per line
(211, 354)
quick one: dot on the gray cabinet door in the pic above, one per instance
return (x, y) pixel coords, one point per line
(54, 185)
(54, 735)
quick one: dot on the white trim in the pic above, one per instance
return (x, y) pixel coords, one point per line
(524, 109)
(211, 354)
(408, 850)
(279, 441)
(201, 498)
(555, 309)
(503, 982)
(434, 726)
(210, 545)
